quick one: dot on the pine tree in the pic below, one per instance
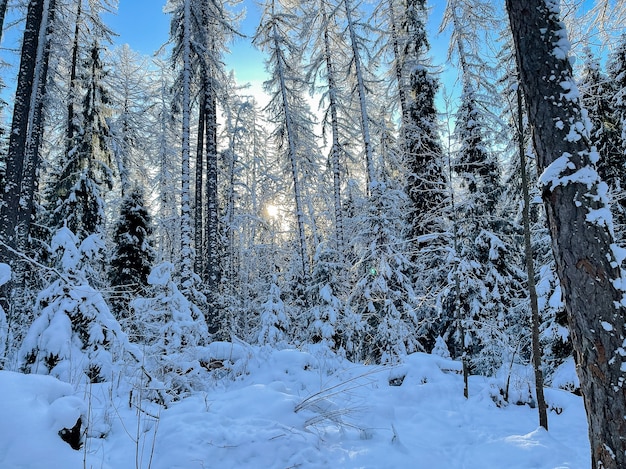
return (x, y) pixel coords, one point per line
(132, 256)
(579, 219)
(76, 192)
(324, 294)
(383, 294)
(604, 97)
(74, 336)
(289, 113)
(274, 318)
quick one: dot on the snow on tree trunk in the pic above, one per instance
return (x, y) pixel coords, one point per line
(185, 210)
(362, 94)
(580, 223)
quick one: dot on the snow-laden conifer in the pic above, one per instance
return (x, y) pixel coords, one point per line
(132, 256)
(74, 336)
(274, 318)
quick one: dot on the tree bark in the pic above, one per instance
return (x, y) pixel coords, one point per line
(199, 194)
(530, 271)
(22, 159)
(580, 226)
(212, 266)
(3, 11)
(335, 151)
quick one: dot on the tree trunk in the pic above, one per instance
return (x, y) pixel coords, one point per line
(293, 157)
(335, 151)
(579, 221)
(360, 82)
(212, 266)
(199, 194)
(72, 85)
(185, 210)
(25, 99)
(3, 11)
(530, 271)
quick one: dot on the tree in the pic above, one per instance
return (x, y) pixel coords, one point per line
(172, 329)
(603, 98)
(290, 114)
(574, 196)
(274, 318)
(325, 63)
(358, 47)
(22, 159)
(383, 294)
(75, 335)
(181, 30)
(76, 193)
(133, 255)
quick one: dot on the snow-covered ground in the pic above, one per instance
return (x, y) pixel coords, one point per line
(289, 409)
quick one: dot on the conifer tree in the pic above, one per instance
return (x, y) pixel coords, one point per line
(132, 257)
(274, 318)
(588, 263)
(289, 113)
(74, 336)
(383, 295)
(76, 192)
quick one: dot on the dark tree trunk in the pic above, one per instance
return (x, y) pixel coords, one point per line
(582, 244)
(71, 114)
(199, 195)
(530, 270)
(3, 11)
(22, 159)
(212, 266)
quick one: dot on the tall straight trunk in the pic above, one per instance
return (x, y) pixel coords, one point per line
(293, 158)
(22, 159)
(185, 210)
(530, 271)
(199, 194)
(579, 220)
(398, 67)
(3, 11)
(335, 151)
(362, 94)
(212, 267)
(72, 85)
(166, 242)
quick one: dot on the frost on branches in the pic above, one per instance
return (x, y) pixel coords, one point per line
(173, 330)
(75, 335)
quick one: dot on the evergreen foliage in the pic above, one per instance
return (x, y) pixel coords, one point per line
(74, 336)
(132, 256)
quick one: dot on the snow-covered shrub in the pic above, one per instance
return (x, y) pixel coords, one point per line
(274, 319)
(173, 329)
(440, 348)
(74, 335)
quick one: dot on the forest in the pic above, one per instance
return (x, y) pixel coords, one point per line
(162, 226)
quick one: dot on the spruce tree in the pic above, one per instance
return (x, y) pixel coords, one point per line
(74, 336)
(132, 256)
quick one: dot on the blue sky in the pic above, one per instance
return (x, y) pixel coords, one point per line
(145, 28)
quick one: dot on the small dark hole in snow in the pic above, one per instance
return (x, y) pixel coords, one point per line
(397, 381)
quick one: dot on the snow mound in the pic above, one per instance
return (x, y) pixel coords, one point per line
(290, 408)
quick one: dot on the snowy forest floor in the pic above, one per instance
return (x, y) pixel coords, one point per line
(290, 409)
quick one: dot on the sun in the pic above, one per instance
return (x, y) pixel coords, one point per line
(272, 211)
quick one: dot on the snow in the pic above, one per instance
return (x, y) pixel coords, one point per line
(291, 408)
